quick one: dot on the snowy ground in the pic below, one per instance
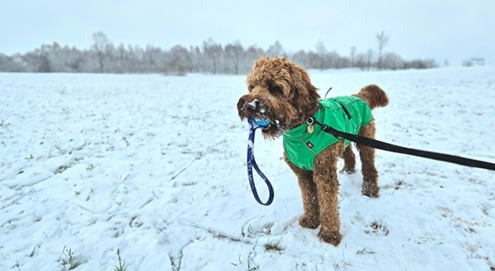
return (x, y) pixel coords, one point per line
(155, 166)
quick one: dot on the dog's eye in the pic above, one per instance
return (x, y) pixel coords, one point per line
(275, 90)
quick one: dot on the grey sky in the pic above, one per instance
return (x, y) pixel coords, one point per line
(440, 29)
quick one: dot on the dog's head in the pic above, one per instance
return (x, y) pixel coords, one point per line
(280, 92)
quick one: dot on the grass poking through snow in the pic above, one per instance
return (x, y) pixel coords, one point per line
(121, 267)
(270, 246)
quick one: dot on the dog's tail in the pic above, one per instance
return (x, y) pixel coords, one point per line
(373, 95)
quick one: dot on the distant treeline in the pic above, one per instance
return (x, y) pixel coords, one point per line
(210, 57)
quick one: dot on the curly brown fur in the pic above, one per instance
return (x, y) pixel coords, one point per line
(325, 177)
(373, 95)
(281, 92)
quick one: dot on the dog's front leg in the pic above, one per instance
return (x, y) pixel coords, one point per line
(311, 217)
(325, 177)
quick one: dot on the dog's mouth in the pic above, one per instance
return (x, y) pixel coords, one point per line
(271, 127)
(274, 129)
(265, 123)
(262, 114)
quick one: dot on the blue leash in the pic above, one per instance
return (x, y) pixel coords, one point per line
(251, 162)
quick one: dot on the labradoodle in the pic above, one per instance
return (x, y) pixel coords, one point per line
(281, 93)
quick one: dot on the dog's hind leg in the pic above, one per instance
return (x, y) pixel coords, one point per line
(325, 176)
(349, 161)
(370, 174)
(311, 205)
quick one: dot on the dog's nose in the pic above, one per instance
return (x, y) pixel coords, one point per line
(248, 108)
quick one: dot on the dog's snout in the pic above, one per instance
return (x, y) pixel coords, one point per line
(248, 108)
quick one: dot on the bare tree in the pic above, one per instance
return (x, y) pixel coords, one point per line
(212, 50)
(392, 61)
(322, 51)
(178, 61)
(149, 57)
(121, 55)
(99, 46)
(275, 50)
(8, 64)
(195, 59)
(234, 51)
(369, 58)
(333, 60)
(253, 53)
(360, 61)
(44, 62)
(353, 56)
(300, 57)
(382, 42)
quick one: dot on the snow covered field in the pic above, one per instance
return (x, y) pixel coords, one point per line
(155, 166)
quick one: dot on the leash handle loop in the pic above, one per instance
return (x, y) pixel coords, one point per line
(251, 162)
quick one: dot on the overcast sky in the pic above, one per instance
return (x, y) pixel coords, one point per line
(439, 29)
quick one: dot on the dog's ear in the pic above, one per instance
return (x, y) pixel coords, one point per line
(304, 93)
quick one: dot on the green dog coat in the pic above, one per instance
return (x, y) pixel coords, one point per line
(301, 147)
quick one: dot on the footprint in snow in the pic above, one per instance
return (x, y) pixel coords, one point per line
(377, 229)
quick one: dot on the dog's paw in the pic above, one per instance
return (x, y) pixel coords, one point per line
(310, 223)
(370, 190)
(331, 237)
(347, 171)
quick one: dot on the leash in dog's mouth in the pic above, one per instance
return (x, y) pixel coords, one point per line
(251, 162)
(265, 125)
(261, 123)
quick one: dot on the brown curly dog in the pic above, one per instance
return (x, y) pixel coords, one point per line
(281, 92)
